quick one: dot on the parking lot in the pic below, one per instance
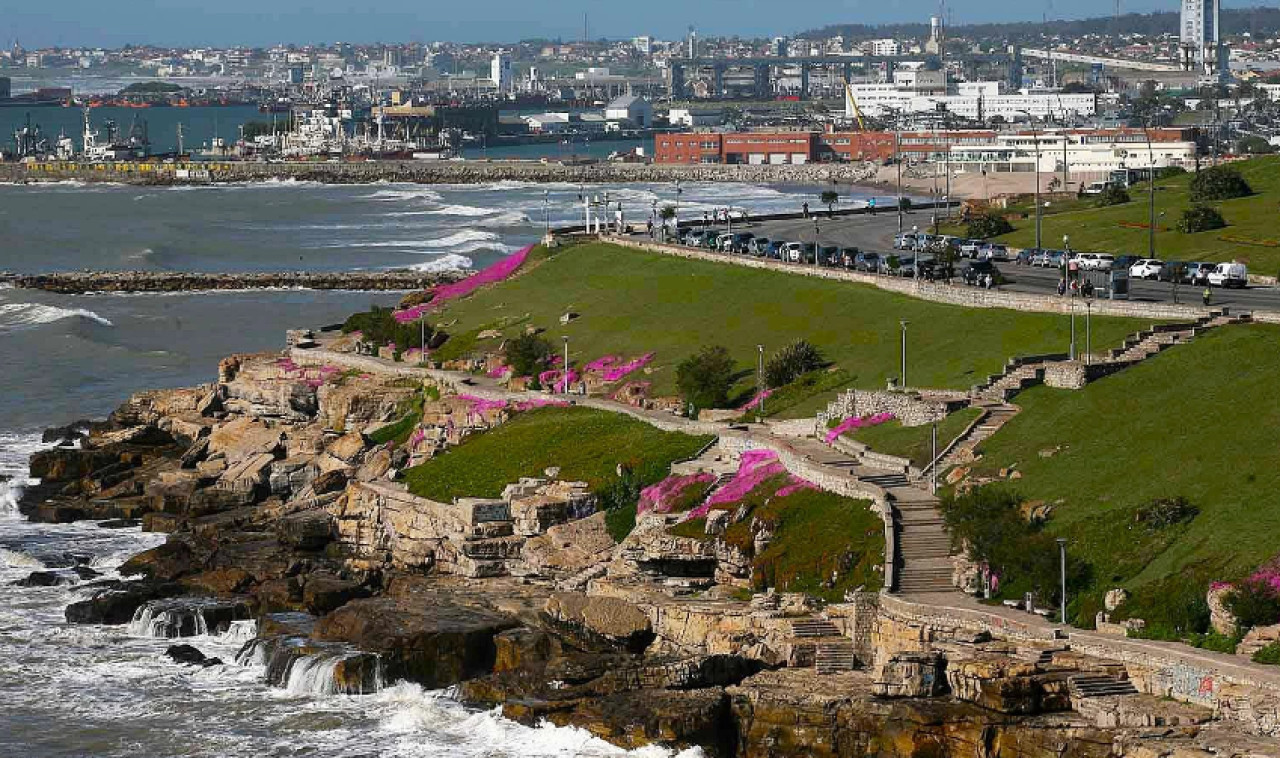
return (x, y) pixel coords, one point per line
(876, 233)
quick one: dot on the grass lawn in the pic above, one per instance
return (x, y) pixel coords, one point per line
(915, 442)
(631, 303)
(815, 535)
(586, 444)
(1251, 236)
(1198, 421)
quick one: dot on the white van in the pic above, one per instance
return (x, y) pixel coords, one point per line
(1229, 275)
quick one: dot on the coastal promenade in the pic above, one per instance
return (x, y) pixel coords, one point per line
(427, 172)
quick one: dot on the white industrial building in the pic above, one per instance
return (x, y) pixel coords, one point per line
(976, 101)
(632, 109)
(500, 72)
(1082, 153)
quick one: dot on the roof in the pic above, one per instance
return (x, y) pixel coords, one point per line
(624, 102)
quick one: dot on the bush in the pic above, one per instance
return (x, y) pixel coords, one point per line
(990, 524)
(1169, 171)
(1114, 194)
(1165, 512)
(527, 354)
(618, 499)
(377, 326)
(905, 203)
(1219, 183)
(1218, 643)
(704, 379)
(1269, 654)
(1254, 603)
(988, 225)
(792, 362)
(1201, 218)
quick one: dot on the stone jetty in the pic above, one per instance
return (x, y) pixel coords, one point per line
(429, 172)
(81, 282)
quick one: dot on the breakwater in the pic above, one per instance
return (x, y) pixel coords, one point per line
(427, 172)
(80, 282)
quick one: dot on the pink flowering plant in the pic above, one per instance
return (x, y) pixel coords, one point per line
(675, 494)
(755, 402)
(612, 368)
(760, 474)
(493, 274)
(856, 422)
(314, 377)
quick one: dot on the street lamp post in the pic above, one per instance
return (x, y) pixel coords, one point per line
(816, 250)
(760, 380)
(566, 363)
(546, 209)
(897, 160)
(1072, 352)
(933, 466)
(903, 324)
(1151, 193)
(1088, 331)
(422, 344)
(1062, 553)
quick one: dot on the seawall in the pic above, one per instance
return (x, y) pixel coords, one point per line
(425, 172)
(76, 282)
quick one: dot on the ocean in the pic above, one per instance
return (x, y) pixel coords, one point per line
(100, 691)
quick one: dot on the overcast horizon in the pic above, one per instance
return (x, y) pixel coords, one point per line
(190, 23)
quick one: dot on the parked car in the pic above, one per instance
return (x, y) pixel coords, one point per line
(741, 242)
(1229, 275)
(792, 252)
(1197, 273)
(1093, 261)
(808, 252)
(970, 248)
(904, 241)
(775, 249)
(869, 262)
(759, 246)
(1055, 258)
(1146, 268)
(829, 255)
(974, 271)
(993, 252)
(848, 256)
(1026, 255)
(693, 238)
(923, 243)
(906, 266)
(921, 266)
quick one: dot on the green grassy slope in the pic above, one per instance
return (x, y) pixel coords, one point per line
(915, 443)
(1251, 221)
(633, 302)
(586, 444)
(1198, 421)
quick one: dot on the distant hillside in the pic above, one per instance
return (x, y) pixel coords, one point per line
(1265, 21)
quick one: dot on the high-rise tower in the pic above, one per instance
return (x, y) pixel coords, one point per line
(1199, 35)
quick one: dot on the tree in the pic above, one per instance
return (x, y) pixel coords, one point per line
(527, 354)
(1113, 194)
(830, 198)
(1219, 183)
(792, 362)
(989, 224)
(905, 203)
(1254, 145)
(667, 214)
(1201, 218)
(704, 379)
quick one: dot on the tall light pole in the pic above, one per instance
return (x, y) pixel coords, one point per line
(546, 209)
(1035, 138)
(1088, 331)
(1062, 554)
(566, 363)
(897, 160)
(903, 324)
(422, 344)
(1151, 216)
(1072, 353)
(933, 465)
(815, 243)
(760, 380)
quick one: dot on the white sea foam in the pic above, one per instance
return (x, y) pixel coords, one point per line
(464, 210)
(406, 193)
(28, 315)
(446, 262)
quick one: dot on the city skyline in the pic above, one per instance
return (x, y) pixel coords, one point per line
(242, 22)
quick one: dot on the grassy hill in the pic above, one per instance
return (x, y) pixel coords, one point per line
(631, 303)
(1252, 235)
(1197, 422)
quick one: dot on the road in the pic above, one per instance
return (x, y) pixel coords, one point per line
(875, 233)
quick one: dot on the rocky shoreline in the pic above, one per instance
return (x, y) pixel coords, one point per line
(82, 282)
(280, 488)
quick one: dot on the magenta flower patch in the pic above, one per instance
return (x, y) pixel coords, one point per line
(446, 292)
(855, 422)
(672, 492)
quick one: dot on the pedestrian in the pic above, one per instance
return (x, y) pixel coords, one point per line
(806, 209)
(1208, 297)
(650, 228)
(1062, 287)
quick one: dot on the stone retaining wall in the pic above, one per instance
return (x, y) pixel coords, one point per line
(1074, 375)
(952, 294)
(909, 408)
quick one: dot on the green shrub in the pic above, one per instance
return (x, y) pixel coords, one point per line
(904, 203)
(1201, 218)
(990, 524)
(1165, 512)
(1219, 643)
(988, 225)
(1269, 655)
(527, 354)
(377, 326)
(704, 379)
(1219, 183)
(1254, 603)
(792, 362)
(1114, 194)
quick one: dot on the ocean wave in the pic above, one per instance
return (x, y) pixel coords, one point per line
(28, 315)
(414, 193)
(464, 210)
(446, 262)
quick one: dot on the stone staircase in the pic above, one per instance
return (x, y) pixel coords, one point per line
(924, 546)
(809, 628)
(1016, 378)
(834, 657)
(1099, 685)
(994, 417)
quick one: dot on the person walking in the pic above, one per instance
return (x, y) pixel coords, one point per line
(806, 209)
(1208, 296)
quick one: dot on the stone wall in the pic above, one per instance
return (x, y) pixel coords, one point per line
(1074, 375)
(907, 407)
